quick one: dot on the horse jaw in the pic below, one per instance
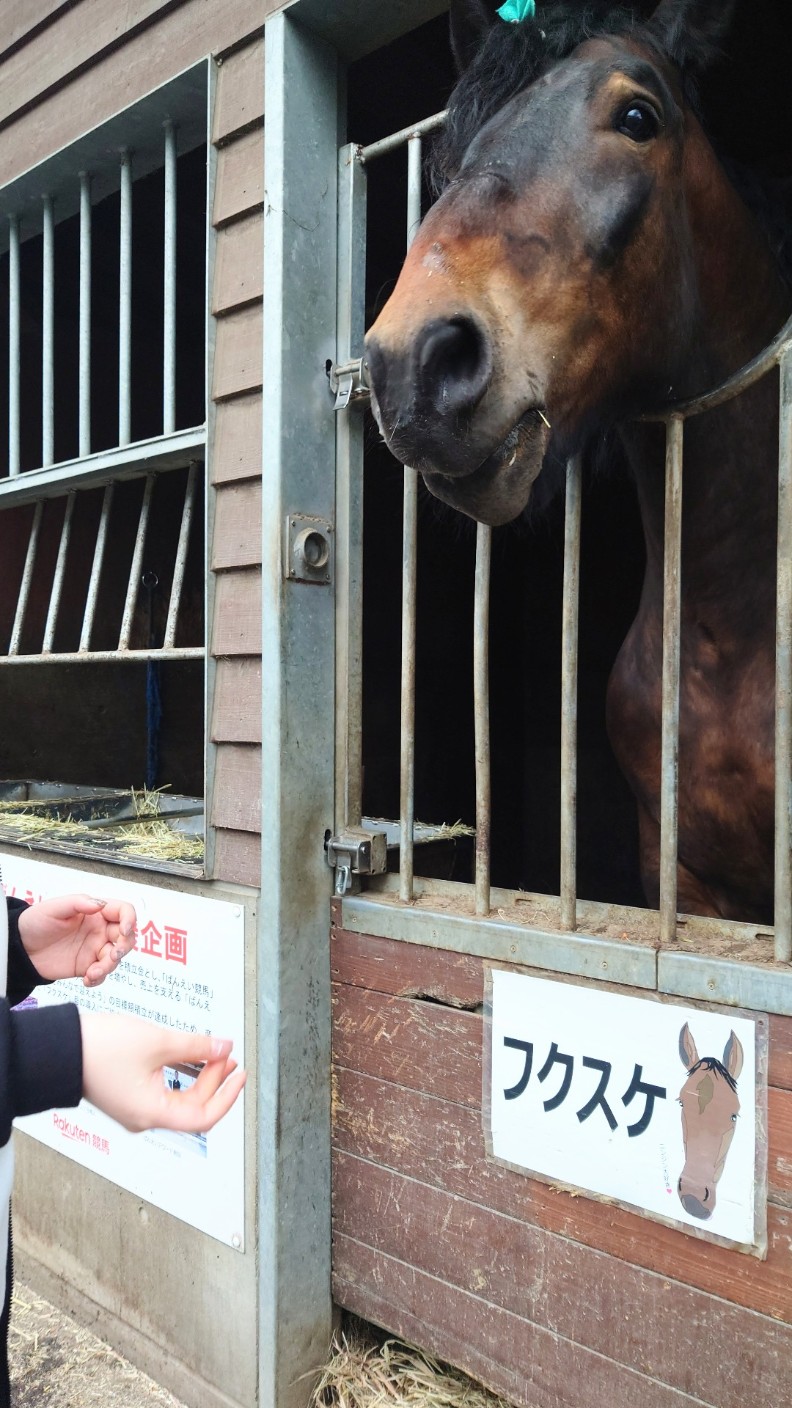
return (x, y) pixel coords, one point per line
(500, 488)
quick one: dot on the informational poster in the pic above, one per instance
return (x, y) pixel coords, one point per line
(655, 1106)
(186, 973)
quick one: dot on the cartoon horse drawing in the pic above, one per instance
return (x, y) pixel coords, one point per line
(710, 1106)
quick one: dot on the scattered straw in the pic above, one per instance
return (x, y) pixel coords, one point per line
(368, 1370)
(153, 838)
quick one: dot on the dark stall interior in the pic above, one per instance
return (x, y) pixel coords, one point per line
(95, 724)
(747, 101)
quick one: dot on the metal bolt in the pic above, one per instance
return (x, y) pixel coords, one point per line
(236, 1241)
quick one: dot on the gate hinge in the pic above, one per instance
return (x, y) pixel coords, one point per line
(348, 382)
(356, 852)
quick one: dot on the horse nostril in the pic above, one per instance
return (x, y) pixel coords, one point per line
(706, 1195)
(454, 364)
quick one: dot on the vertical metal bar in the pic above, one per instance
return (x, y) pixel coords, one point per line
(13, 346)
(349, 496)
(672, 596)
(125, 302)
(96, 569)
(84, 394)
(48, 336)
(783, 690)
(27, 578)
(181, 559)
(169, 290)
(60, 570)
(133, 584)
(409, 595)
(481, 603)
(569, 694)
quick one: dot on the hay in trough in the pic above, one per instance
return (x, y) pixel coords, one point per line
(369, 1370)
(151, 837)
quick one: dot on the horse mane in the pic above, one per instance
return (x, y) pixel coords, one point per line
(510, 59)
(513, 56)
(711, 1063)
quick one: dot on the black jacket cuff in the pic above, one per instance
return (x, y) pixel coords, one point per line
(45, 1059)
(23, 977)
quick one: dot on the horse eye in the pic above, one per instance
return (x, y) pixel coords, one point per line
(734, 1119)
(638, 122)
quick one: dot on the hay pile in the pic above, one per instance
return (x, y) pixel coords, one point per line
(368, 1370)
(151, 838)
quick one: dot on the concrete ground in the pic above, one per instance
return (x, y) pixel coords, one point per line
(55, 1363)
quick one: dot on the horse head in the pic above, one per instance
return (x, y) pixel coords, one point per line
(710, 1106)
(559, 282)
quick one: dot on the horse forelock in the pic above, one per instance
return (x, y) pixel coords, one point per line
(511, 58)
(711, 1063)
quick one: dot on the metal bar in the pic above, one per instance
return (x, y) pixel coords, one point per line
(101, 657)
(169, 289)
(96, 569)
(409, 594)
(27, 578)
(349, 497)
(783, 689)
(137, 563)
(163, 452)
(481, 605)
(672, 592)
(13, 346)
(181, 559)
(48, 335)
(569, 694)
(747, 376)
(400, 138)
(84, 393)
(125, 303)
(60, 571)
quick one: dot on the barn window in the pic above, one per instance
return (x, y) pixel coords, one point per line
(103, 258)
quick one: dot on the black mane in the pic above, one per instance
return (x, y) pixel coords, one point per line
(510, 59)
(711, 1063)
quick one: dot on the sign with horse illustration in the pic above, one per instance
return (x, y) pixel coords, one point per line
(652, 1105)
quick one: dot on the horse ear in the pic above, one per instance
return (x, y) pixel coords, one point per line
(688, 1054)
(471, 21)
(691, 31)
(733, 1056)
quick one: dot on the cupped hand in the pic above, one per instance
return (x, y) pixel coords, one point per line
(76, 936)
(123, 1061)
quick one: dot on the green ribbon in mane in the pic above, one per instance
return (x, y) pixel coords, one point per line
(514, 11)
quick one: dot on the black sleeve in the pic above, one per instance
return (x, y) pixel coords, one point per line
(40, 1061)
(22, 976)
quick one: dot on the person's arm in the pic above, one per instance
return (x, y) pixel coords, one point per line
(41, 1063)
(23, 977)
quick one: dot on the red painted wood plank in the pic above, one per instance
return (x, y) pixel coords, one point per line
(532, 1366)
(418, 1044)
(442, 1144)
(644, 1320)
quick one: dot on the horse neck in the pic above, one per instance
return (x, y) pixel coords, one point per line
(730, 454)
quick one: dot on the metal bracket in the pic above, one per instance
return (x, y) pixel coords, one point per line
(308, 549)
(348, 383)
(354, 853)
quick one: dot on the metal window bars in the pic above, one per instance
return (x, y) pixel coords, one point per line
(348, 380)
(125, 650)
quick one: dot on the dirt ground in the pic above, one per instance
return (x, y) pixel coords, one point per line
(55, 1363)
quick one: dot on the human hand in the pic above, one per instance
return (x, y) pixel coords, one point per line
(123, 1059)
(76, 936)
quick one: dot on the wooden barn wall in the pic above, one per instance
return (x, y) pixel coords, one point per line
(236, 464)
(556, 1300)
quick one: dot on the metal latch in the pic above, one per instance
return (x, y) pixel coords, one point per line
(356, 852)
(348, 382)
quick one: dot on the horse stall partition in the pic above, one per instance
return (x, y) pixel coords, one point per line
(542, 1290)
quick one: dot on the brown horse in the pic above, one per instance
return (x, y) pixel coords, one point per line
(589, 261)
(710, 1106)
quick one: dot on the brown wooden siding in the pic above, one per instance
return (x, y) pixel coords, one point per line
(557, 1300)
(235, 807)
(96, 58)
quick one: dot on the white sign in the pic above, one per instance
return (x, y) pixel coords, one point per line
(187, 973)
(649, 1104)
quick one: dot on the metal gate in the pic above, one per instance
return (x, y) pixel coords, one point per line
(569, 941)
